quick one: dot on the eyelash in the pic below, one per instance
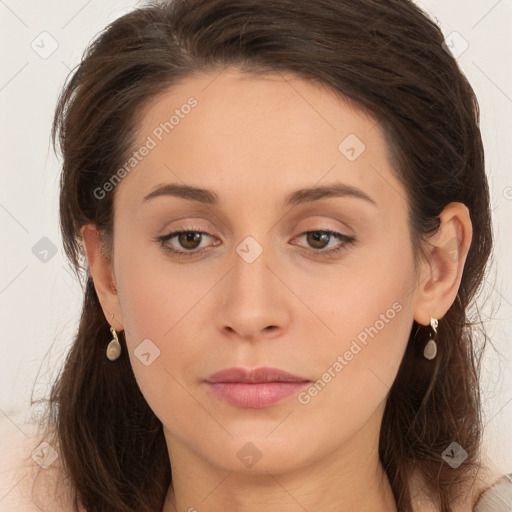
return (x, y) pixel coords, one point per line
(347, 242)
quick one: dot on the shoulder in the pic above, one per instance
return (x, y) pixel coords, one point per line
(490, 491)
(31, 476)
(497, 498)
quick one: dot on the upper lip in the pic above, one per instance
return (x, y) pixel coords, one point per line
(263, 374)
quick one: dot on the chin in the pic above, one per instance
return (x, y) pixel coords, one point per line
(266, 454)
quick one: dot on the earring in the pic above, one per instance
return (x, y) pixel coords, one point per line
(430, 350)
(114, 347)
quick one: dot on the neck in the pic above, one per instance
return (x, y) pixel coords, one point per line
(347, 479)
(275, 494)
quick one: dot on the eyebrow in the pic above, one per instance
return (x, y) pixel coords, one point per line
(301, 196)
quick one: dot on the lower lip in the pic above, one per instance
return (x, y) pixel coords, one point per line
(257, 395)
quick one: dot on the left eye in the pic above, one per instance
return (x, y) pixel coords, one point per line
(190, 239)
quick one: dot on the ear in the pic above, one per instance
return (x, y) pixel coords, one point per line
(102, 273)
(441, 273)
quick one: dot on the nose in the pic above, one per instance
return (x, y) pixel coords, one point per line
(254, 298)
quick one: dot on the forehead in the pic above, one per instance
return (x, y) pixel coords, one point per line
(258, 135)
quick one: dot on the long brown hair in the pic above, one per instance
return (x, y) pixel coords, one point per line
(388, 58)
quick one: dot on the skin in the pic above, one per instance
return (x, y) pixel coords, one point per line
(253, 140)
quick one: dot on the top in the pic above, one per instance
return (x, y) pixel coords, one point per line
(498, 498)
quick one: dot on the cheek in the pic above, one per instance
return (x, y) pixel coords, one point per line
(370, 333)
(368, 304)
(165, 304)
(153, 295)
(357, 370)
(368, 311)
(160, 346)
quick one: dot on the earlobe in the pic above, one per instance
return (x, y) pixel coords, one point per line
(442, 272)
(101, 271)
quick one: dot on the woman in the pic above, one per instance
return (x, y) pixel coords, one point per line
(283, 215)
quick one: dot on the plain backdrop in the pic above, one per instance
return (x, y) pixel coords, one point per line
(39, 297)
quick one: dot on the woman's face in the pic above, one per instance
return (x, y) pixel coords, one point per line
(255, 289)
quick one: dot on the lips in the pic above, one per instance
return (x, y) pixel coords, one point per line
(257, 388)
(263, 374)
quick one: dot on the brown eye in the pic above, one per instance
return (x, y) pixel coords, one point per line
(189, 239)
(318, 239)
(184, 242)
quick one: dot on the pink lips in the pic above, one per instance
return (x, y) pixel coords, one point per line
(257, 388)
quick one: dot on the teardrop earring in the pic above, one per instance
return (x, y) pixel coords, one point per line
(114, 347)
(430, 349)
